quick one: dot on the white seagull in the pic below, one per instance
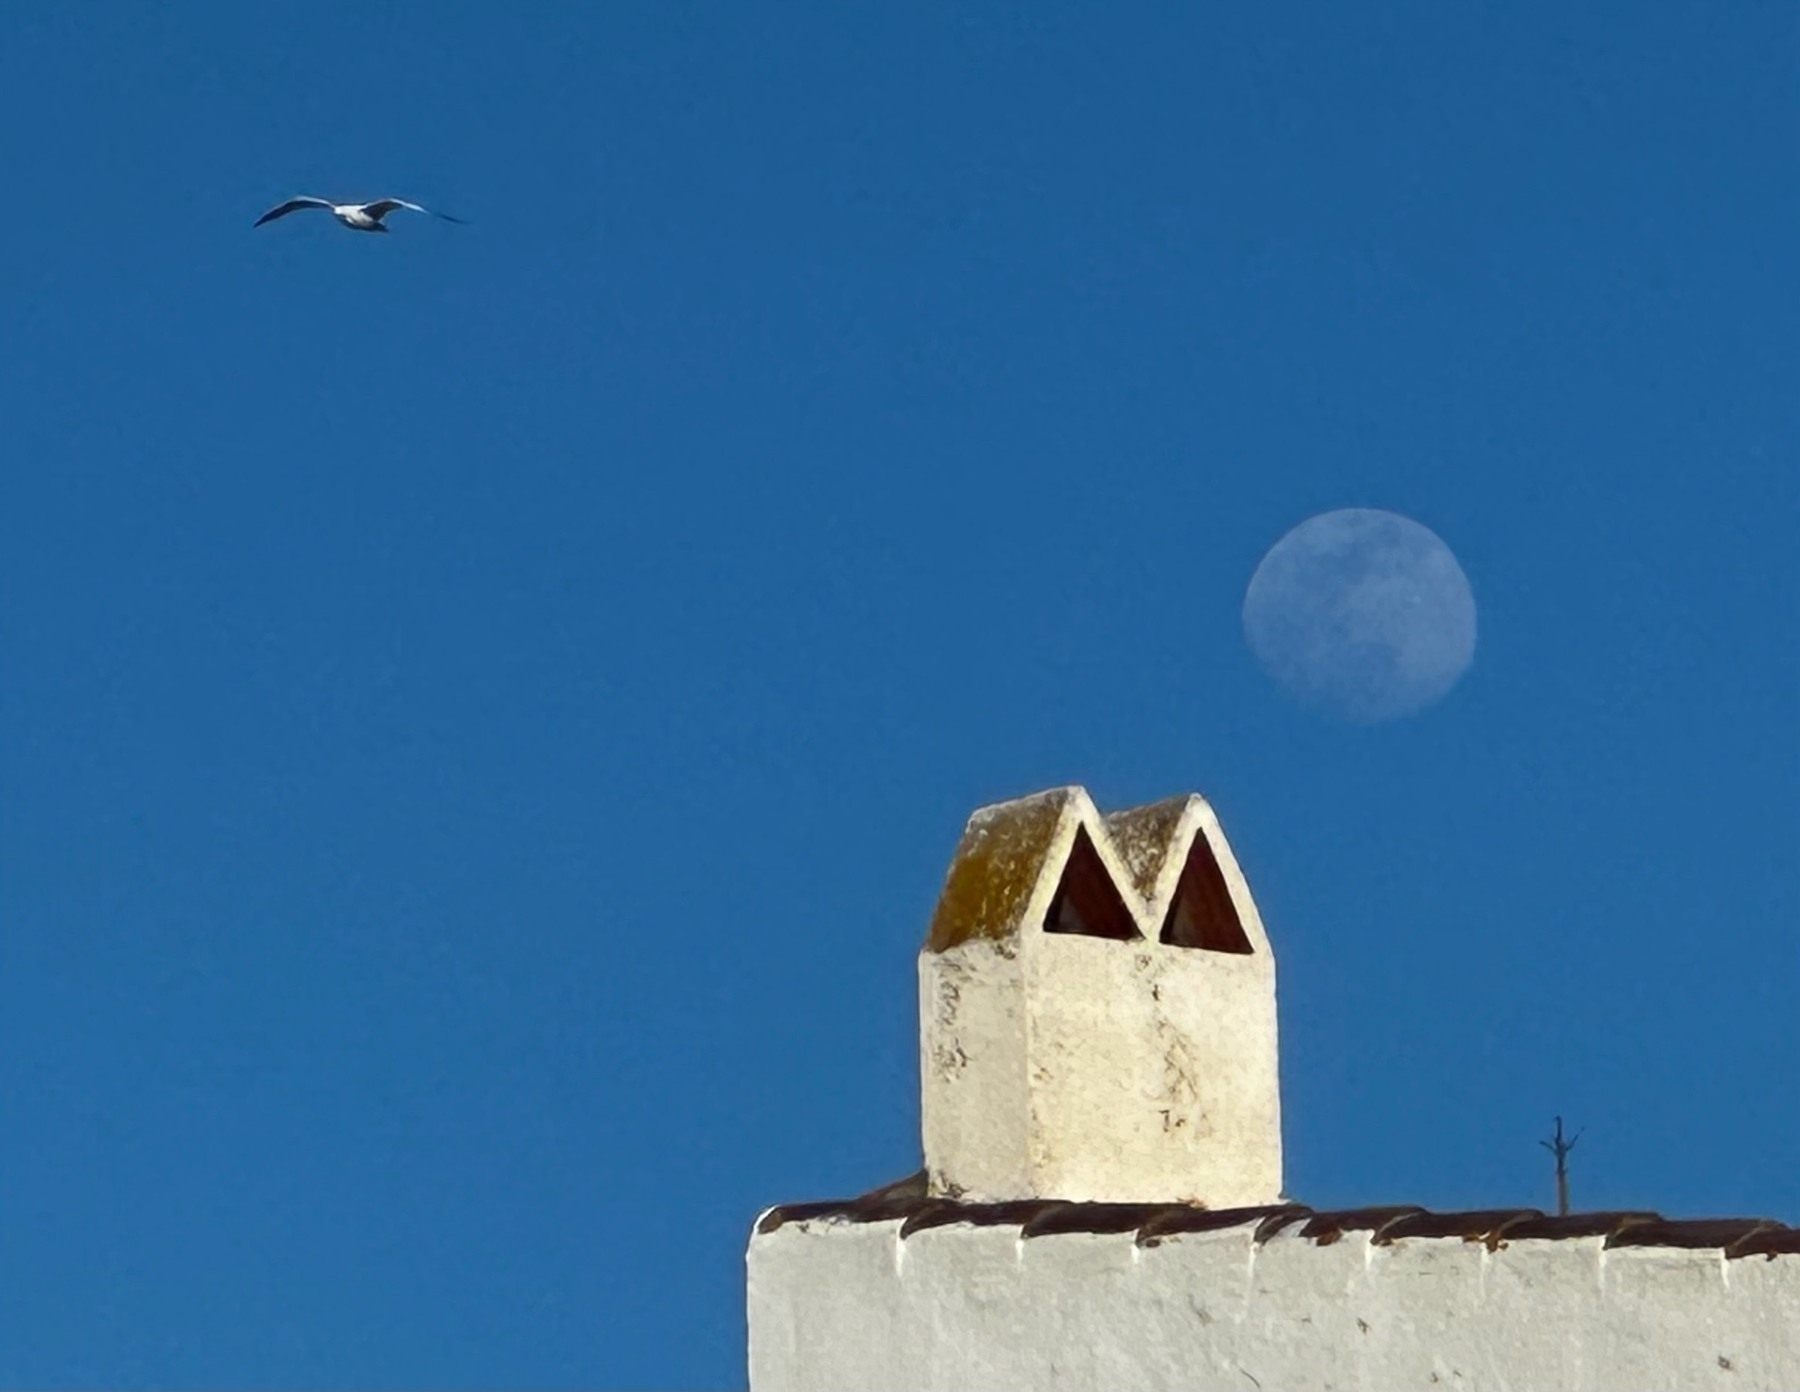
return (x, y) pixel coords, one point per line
(359, 217)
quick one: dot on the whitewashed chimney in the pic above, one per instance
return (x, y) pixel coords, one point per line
(1097, 1012)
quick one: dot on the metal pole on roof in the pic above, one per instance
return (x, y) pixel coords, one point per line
(1560, 1148)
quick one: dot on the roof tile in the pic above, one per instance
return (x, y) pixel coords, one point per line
(908, 1203)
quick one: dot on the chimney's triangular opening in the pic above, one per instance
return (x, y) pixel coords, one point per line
(1203, 915)
(1087, 901)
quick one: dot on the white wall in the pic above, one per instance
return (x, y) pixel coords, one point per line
(837, 1304)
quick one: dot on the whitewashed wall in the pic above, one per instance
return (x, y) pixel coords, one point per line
(836, 1305)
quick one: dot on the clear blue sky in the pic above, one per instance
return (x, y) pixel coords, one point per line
(487, 710)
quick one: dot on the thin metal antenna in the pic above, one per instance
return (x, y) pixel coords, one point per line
(1560, 1148)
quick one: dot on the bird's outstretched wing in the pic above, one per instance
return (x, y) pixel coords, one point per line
(381, 207)
(292, 205)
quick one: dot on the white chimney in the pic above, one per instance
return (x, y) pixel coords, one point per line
(1097, 1012)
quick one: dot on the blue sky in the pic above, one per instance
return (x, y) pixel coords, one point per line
(486, 710)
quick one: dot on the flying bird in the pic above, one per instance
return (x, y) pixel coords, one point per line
(359, 217)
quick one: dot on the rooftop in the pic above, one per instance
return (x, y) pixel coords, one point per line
(907, 1203)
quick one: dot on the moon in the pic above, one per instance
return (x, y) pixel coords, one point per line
(1362, 616)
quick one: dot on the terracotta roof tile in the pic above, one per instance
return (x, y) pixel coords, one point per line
(1771, 1242)
(1092, 1218)
(1603, 1224)
(1480, 1225)
(1172, 1220)
(1689, 1232)
(938, 1213)
(1326, 1228)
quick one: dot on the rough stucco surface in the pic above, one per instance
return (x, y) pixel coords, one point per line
(1092, 1068)
(836, 1304)
(1082, 1068)
(973, 1052)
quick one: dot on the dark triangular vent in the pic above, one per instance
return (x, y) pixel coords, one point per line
(1202, 914)
(1087, 901)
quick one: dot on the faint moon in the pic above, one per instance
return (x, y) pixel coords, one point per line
(1361, 615)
